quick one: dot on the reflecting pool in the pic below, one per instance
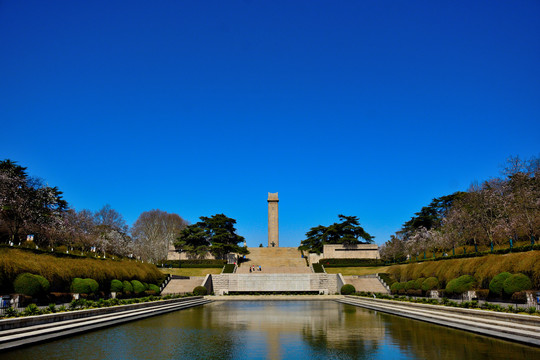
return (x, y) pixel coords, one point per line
(276, 330)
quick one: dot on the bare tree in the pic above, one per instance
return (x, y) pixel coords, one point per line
(154, 232)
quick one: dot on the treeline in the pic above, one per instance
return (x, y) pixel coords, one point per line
(35, 214)
(501, 210)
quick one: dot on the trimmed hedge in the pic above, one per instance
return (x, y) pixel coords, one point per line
(30, 284)
(496, 284)
(317, 268)
(84, 286)
(396, 287)
(116, 286)
(195, 263)
(516, 283)
(138, 287)
(351, 262)
(409, 285)
(431, 283)
(228, 269)
(418, 283)
(200, 291)
(127, 287)
(347, 289)
(154, 288)
(460, 285)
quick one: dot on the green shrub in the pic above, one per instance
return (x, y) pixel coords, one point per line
(30, 284)
(84, 286)
(460, 285)
(200, 291)
(116, 286)
(496, 284)
(350, 262)
(32, 309)
(154, 288)
(347, 289)
(228, 268)
(418, 283)
(317, 268)
(127, 286)
(138, 287)
(409, 285)
(431, 283)
(515, 283)
(45, 285)
(396, 287)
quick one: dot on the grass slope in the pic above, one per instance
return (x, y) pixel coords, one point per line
(482, 268)
(61, 271)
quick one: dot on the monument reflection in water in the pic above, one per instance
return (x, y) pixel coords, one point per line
(277, 330)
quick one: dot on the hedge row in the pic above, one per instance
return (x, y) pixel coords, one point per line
(350, 262)
(195, 263)
(61, 271)
(228, 268)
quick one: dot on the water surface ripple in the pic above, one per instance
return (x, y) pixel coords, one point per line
(276, 330)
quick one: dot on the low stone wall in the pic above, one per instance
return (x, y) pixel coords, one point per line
(323, 283)
(360, 251)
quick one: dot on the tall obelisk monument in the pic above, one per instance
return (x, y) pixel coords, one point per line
(273, 220)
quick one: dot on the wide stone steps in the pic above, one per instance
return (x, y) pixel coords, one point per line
(182, 286)
(513, 327)
(275, 261)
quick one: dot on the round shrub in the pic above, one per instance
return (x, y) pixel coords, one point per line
(138, 286)
(409, 285)
(418, 283)
(30, 284)
(515, 283)
(127, 286)
(431, 283)
(92, 284)
(84, 286)
(496, 284)
(396, 287)
(153, 287)
(116, 286)
(460, 285)
(45, 285)
(200, 290)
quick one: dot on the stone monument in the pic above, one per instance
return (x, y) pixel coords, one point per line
(273, 220)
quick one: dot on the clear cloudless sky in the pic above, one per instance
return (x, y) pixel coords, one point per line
(366, 108)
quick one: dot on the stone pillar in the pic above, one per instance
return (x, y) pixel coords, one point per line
(273, 220)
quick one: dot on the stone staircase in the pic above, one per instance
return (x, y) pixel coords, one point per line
(182, 286)
(277, 260)
(368, 284)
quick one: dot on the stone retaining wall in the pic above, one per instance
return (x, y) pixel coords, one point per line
(323, 283)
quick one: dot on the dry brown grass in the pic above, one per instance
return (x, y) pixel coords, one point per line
(482, 268)
(60, 271)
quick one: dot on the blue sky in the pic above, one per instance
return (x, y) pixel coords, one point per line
(367, 108)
